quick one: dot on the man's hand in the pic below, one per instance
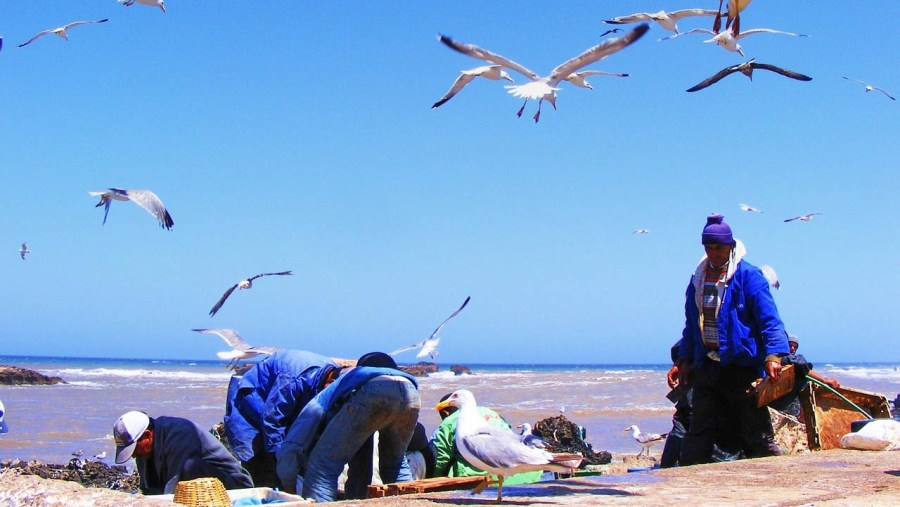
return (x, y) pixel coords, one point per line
(672, 376)
(684, 373)
(773, 369)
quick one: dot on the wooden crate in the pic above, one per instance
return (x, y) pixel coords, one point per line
(828, 417)
(427, 485)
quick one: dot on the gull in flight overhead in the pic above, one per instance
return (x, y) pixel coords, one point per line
(746, 69)
(641, 231)
(645, 440)
(544, 88)
(243, 284)
(667, 20)
(728, 40)
(870, 87)
(149, 3)
(24, 250)
(578, 78)
(735, 7)
(771, 276)
(493, 72)
(803, 218)
(429, 345)
(143, 198)
(61, 31)
(498, 450)
(239, 348)
(529, 438)
(749, 209)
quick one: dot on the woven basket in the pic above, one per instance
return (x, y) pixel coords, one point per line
(203, 492)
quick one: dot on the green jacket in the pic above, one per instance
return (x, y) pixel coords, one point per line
(448, 461)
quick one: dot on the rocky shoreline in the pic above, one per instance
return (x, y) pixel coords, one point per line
(15, 376)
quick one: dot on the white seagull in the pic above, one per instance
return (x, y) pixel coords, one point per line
(239, 348)
(149, 3)
(578, 78)
(746, 69)
(494, 72)
(429, 345)
(771, 276)
(143, 198)
(728, 40)
(645, 440)
(24, 250)
(61, 31)
(530, 439)
(667, 20)
(870, 87)
(749, 209)
(641, 231)
(243, 284)
(544, 88)
(803, 218)
(735, 7)
(101, 456)
(498, 450)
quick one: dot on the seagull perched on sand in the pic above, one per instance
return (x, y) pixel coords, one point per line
(243, 284)
(746, 69)
(728, 40)
(429, 345)
(803, 218)
(749, 209)
(149, 3)
(641, 231)
(646, 440)
(24, 250)
(667, 20)
(771, 276)
(61, 31)
(529, 438)
(143, 198)
(498, 450)
(870, 87)
(544, 88)
(493, 72)
(239, 348)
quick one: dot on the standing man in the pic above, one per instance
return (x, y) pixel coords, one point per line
(732, 336)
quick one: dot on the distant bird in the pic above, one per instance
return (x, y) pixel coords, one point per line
(746, 69)
(243, 284)
(493, 72)
(529, 438)
(498, 450)
(645, 440)
(735, 7)
(803, 218)
(544, 88)
(667, 20)
(79, 453)
(148, 3)
(641, 231)
(749, 209)
(870, 87)
(611, 30)
(728, 40)
(101, 456)
(771, 276)
(61, 31)
(143, 198)
(24, 250)
(578, 78)
(429, 345)
(239, 348)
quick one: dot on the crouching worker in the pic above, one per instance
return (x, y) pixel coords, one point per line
(336, 427)
(171, 449)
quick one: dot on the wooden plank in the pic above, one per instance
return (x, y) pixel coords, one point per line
(768, 389)
(828, 417)
(427, 485)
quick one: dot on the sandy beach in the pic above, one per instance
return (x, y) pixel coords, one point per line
(831, 478)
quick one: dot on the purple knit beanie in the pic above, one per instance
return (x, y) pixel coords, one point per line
(717, 231)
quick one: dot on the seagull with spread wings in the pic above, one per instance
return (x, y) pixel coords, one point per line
(24, 250)
(641, 231)
(803, 218)
(728, 40)
(61, 31)
(429, 345)
(493, 72)
(746, 69)
(870, 87)
(749, 209)
(143, 198)
(239, 348)
(544, 88)
(243, 284)
(149, 3)
(667, 20)
(735, 7)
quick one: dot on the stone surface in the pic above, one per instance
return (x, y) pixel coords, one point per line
(14, 376)
(420, 369)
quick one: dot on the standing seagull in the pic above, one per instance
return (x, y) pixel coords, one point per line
(149, 3)
(544, 88)
(61, 31)
(667, 20)
(746, 69)
(803, 218)
(143, 198)
(870, 87)
(749, 209)
(239, 348)
(498, 450)
(243, 284)
(645, 440)
(429, 345)
(529, 438)
(728, 40)
(493, 72)
(24, 250)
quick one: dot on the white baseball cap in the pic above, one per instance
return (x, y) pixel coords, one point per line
(3, 427)
(127, 430)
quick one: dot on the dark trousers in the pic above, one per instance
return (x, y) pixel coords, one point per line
(195, 468)
(262, 469)
(680, 423)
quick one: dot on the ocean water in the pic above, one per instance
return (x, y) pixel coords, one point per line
(49, 423)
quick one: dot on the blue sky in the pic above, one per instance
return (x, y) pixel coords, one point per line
(299, 136)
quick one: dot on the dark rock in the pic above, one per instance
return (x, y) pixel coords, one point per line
(562, 435)
(421, 369)
(458, 369)
(15, 376)
(91, 474)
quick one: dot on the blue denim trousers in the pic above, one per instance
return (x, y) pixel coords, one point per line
(386, 404)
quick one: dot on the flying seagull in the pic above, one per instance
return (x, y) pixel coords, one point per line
(61, 31)
(771, 276)
(429, 345)
(803, 218)
(529, 438)
(728, 40)
(493, 72)
(239, 348)
(243, 284)
(24, 250)
(143, 198)
(544, 88)
(735, 7)
(641, 231)
(645, 440)
(749, 209)
(149, 3)
(667, 20)
(578, 78)
(746, 69)
(498, 450)
(870, 87)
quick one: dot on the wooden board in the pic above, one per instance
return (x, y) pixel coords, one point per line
(828, 417)
(768, 390)
(427, 485)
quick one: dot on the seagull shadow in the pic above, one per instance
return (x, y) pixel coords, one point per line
(524, 495)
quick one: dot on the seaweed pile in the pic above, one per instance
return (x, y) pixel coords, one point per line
(91, 474)
(562, 435)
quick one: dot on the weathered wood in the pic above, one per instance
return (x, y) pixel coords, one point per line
(426, 486)
(828, 417)
(768, 389)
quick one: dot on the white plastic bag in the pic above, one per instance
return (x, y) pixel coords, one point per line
(878, 435)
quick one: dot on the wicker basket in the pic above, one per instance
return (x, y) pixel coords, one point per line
(203, 492)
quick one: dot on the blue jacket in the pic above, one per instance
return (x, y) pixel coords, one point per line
(749, 326)
(263, 403)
